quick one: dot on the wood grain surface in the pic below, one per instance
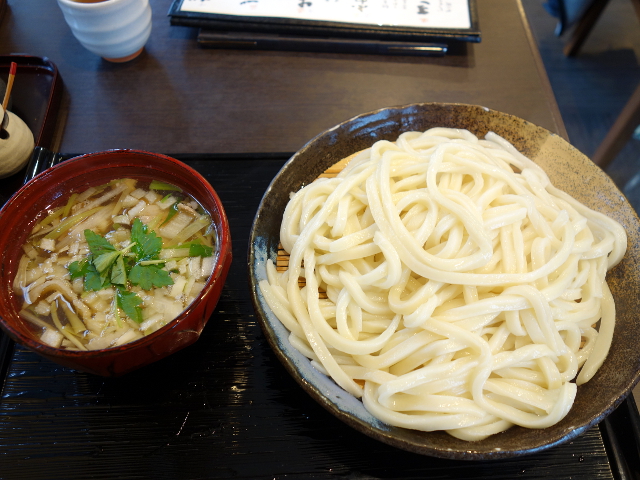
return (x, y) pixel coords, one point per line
(179, 98)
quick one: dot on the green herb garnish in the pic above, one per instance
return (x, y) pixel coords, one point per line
(129, 302)
(147, 245)
(147, 276)
(92, 279)
(138, 264)
(107, 260)
(79, 269)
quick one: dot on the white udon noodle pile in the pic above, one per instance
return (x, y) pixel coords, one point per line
(463, 289)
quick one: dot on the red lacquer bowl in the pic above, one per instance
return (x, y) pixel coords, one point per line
(50, 189)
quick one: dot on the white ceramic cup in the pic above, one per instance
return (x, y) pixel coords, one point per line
(116, 30)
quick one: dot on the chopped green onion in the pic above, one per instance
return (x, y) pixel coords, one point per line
(70, 222)
(152, 262)
(52, 216)
(67, 207)
(195, 226)
(173, 209)
(156, 185)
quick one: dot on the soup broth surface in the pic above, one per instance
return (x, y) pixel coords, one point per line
(114, 263)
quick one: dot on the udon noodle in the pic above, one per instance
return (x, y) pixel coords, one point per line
(464, 292)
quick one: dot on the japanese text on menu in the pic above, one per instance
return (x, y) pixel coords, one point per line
(408, 13)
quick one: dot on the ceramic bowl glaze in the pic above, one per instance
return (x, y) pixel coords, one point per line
(50, 189)
(568, 169)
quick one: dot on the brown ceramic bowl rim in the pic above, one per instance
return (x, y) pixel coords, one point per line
(108, 155)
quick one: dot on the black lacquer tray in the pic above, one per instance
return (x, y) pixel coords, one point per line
(226, 408)
(35, 97)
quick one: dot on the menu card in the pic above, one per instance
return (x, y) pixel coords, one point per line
(399, 19)
(407, 13)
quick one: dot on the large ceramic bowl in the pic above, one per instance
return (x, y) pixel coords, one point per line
(568, 169)
(48, 190)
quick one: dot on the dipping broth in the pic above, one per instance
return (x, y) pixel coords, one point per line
(114, 263)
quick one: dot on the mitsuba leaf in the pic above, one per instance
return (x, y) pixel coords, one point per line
(118, 272)
(147, 276)
(104, 261)
(98, 244)
(78, 269)
(107, 266)
(129, 302)
(147, 244)
(93, 281)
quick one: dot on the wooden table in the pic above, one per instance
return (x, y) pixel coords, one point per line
(178, 97)
(225, 407)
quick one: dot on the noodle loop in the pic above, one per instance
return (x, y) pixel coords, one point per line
(464, 292)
